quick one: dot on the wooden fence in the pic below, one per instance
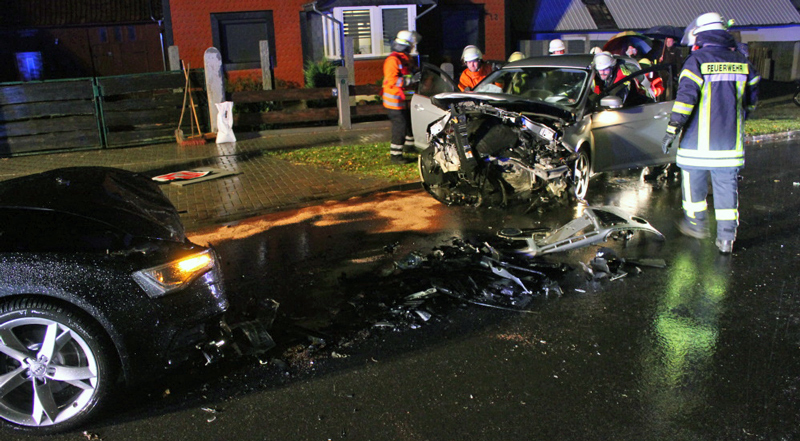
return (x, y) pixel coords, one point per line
(93, 113)
(130, 110)
(302, 115)
(48, 116)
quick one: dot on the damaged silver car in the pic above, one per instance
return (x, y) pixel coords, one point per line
(537, 128)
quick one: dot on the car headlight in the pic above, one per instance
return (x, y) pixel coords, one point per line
(164, 279)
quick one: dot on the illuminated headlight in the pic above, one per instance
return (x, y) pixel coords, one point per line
(164, 279)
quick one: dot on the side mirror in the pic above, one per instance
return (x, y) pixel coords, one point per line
(611, 102)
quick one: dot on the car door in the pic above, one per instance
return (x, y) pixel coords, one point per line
(432, 81)
(630, 136)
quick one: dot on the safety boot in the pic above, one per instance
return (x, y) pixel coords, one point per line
(409, 146)
(399, 159)
(689, 230)
(725, 246)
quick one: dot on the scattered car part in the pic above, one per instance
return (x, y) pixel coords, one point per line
(596, 224)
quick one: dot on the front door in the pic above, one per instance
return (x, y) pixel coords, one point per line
(630, 137)
(432, 81)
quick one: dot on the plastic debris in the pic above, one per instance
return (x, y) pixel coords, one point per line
(607, 265)
(597, 224)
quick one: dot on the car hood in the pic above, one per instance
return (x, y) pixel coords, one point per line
(507, 102)
(127, 201)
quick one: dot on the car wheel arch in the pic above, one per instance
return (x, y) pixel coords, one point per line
(79, 338)
(110, 337)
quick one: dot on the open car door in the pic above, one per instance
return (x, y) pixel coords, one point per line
(628, 131)
(432, 81)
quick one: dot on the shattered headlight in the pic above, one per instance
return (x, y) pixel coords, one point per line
(438, 126)
(164, 279)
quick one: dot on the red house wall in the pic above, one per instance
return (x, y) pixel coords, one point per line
(494, 26)
(191, 28)
(191, 24)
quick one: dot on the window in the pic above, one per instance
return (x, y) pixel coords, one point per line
(372, 29)
(237, 36)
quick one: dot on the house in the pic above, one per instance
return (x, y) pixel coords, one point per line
(300, 31)
(108, 37)
(771, 28)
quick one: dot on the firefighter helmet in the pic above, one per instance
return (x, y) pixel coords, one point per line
(710, 21)
(603, 60)
(471, 53)
(405, 38)
(557, 45)
(516, 56)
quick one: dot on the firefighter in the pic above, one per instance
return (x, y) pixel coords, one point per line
(717, 88)
(519, 81)
(397, 79)
(609, 71)
(476, 69)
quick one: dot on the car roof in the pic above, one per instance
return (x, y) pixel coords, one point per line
(121, 199)
(578, 61)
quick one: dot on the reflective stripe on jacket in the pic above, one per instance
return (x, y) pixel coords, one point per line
(715, 88)
(396, 66)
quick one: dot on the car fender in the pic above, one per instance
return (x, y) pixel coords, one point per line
(579, 136)
(75, 303)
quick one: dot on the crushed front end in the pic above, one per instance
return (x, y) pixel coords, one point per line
(485, 154)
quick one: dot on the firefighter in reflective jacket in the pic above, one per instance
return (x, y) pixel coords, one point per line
(716, 90)
(397, 75)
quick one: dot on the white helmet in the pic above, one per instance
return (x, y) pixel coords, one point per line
(595, 50)
(516, 56)
(603, 60)
(404, 37)
(471, 53)
(557, 45)
(709, 21)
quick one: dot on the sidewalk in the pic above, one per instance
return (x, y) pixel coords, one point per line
(262, 184)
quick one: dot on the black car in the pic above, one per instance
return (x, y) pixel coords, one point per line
(98, 284)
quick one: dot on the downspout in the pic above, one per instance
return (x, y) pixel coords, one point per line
(341, 27)
(160, 33)
(435, 4)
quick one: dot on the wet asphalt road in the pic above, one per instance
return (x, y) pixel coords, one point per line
(707, 348)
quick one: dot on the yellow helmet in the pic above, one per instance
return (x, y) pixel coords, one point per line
(516, 56)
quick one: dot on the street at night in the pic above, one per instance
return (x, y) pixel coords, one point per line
(705, 348)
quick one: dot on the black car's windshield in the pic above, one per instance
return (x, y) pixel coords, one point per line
(550, 84)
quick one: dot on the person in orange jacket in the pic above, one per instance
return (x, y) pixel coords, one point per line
(476, 69)
(397, 79)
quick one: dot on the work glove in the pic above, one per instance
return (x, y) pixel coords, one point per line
(672, 133)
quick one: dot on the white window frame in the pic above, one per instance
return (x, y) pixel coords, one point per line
(332, 31)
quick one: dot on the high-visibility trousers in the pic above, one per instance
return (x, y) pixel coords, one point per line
(725, 185)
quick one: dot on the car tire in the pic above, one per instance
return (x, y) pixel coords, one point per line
(55, 366)
(581, 172)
